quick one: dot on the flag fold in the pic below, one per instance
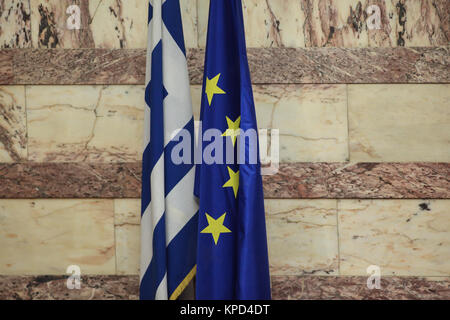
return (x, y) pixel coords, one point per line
(232, 258)
(169, 211)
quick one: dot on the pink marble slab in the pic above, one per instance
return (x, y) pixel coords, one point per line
(283, 288)
(6, 67)
(293, 181)
(267, 65)
(355, 288)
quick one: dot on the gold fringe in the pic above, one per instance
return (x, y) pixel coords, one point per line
(176, 293)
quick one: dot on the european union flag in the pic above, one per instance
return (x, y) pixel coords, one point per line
(232, 259)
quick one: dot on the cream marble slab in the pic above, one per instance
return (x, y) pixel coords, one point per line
(46, 236)
(15, 27)
(327, 24)
(311, 119)
(107, 24)
(343, 23)
(271, 23)
(190, 22)
(425, 23)
(85, 123)
(302, 237)
(127, 230)
(13, 129)
(49, 24)
(202, 22)
(399, 122)
(402, 237)
(119, 24)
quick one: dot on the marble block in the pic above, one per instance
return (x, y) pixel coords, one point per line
(311, 119)
(402, 237)
(85, 123)
(47, 236)
(13, 126)
(401, 123)
(302, 237)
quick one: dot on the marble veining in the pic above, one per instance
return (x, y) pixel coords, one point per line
(63, 128)
(103, 24)
(268, 23)
(15, 26)
(46, 236)
(311, 119)
(402, 237)
(343, 23)
(302, 237)
(13, 130)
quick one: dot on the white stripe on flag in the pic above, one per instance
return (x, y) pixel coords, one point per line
(152, 214)
(161, 292)
(177, 105)
(180, 206)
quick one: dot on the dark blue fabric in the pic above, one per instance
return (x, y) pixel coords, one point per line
(157, 268)
(237, 266)
(181, 252)
(171, 15)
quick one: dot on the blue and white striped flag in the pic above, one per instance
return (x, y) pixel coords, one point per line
(169, 210)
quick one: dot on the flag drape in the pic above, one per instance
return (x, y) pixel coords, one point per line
(169, 212)
(232, 258)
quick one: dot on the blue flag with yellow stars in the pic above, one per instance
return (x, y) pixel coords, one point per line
(232, 258)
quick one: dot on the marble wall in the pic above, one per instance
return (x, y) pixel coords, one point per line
(364, 144)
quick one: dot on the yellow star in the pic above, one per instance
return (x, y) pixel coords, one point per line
(233, 182)
(233, 129)
(215, 227)
(212, 88)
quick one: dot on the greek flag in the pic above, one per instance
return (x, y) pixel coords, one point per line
(169, 210)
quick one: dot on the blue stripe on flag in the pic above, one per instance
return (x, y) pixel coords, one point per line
(150, 12)
(154, 96)
(157, 268)
(175, 173)
(181, 253)
(171, 14)
(146, 173)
